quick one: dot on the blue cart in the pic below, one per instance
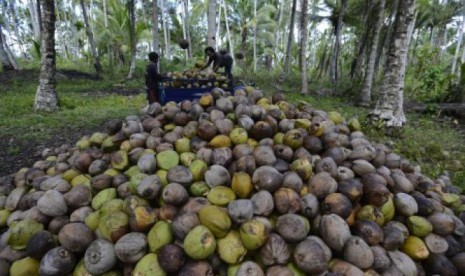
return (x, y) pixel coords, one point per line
(190, 92)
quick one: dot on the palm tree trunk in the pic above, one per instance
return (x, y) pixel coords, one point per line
(90, 36)
(389, 107)
(211, 28)
(459, 44)
(287, 58)
(334, 59)
(218, 28)
(365, 92)
(15, 25)
(278, 27)
(105, 22)
(46, 98)
(155, 34)
(183, 25)
(231, 47)
(303, 46)
(357, 63)
(132, 38)
(165, 30)
(34, 20)
(255, 37)
(6, 64)
(381, 59)
(188, 35)
(39, 17)
(10, 55)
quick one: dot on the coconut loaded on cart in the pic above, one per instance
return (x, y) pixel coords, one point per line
(191, 84)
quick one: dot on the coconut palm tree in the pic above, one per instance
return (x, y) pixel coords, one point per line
(211, 27)
(132, 37)
(303, 45)
(6, 63)
(155, 34)
(334, 59)
(365, 92)
(287, 58)
(46, 98)
(389, 107)
(90, 37)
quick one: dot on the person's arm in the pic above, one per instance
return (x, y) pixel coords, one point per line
(210, 60)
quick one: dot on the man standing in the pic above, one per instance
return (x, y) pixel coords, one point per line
(219, 60)
(152, 78)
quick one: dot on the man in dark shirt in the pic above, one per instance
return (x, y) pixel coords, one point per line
(219, 60)
(152, 78)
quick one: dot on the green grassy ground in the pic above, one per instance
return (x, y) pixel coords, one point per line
(435, 146)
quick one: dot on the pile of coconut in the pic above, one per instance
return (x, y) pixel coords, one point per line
(229, 185)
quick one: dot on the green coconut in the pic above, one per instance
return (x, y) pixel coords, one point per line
(111, 205)
(148, 266)
(370, 212)
(238, 136)
(302, 167)
(336, 117)
(26, 266)
(97, 138)
(230, 248)
(415, 248)
(198, 169)
(199, 188)
(199, 243)
(167, 159)
(102, 197)
(354, 124)
(186, 158)
(215, 219)
(293, 138)
(221, 195)
(159, 235)
(241, 184)
(92, 220)
(182, 145)
(388, 210)
(253, 234)
(113, 226)
(4, 214)
(120, 160)
(419, 226)
(21, 231)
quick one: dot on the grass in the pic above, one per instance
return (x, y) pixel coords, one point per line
(435, 146)
(82, 105)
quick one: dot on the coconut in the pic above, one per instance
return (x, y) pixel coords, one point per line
(216, 220)
(240, 210)
(322, 184)
(76, 237)
(230, 248)
(39, 244)
(171, 257)
(199, 243)
(292, 227)
(267, 178)
(263, 203)
(275, 251)
(310, 257)
(57, 261)
(159, 235)
(131, 247)
(286, 201)
(148, 265)
(250, 268)
(334, 231)
(357, 252)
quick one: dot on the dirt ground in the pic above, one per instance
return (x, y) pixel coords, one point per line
(26, 153)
